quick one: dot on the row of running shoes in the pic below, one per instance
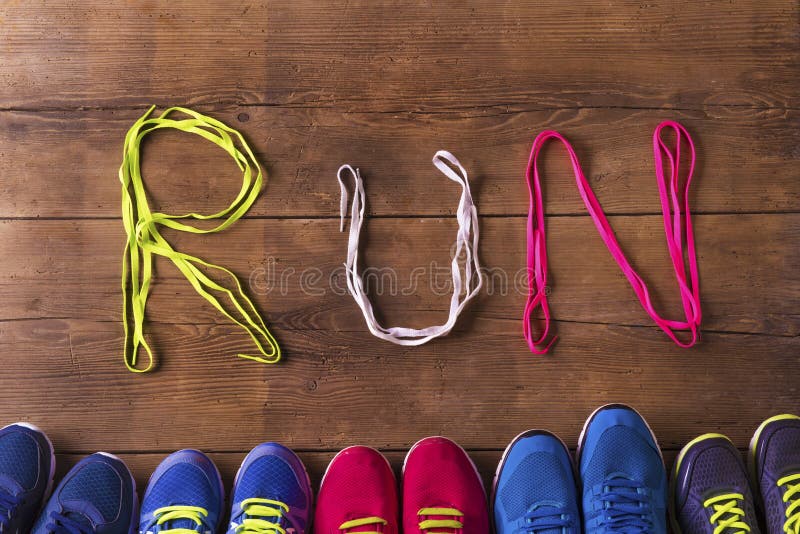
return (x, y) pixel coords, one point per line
(617, 484)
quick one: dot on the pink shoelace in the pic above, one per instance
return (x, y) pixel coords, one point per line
(671, 201)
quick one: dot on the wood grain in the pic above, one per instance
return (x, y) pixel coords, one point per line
(66, 164)
(389, 56)
(333, 391)
(294, 271)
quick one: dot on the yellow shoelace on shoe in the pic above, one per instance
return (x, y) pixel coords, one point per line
(428, 525)
(791, 496)
(261, 508)
(172, 513)
(355, 523)
(144, 239)
(727, 513)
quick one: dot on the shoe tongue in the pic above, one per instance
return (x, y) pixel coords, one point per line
(181, 523)
(10, 485)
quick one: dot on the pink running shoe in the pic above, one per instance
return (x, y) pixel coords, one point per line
(442, 490)
(358, 494)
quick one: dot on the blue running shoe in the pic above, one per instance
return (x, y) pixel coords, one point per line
(624, 481)
(97, 496)
(534, 487)
(27, 465)
(184, 496)
(710, 492)
(271, 493)
(775, 463)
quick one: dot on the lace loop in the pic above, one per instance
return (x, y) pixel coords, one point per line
(145, 241)
(626, 506)
(8, 507)
(62, 524)
(545, 518)
(378, 522)
(464, 288)
(438, 518)
(727, 515)
(167, 514)
(791, 495)
(255, 510)
(673, 201)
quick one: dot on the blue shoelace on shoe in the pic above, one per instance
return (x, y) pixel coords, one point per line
(8, 505)
(61, 524)
(545, 518)
(626, 509)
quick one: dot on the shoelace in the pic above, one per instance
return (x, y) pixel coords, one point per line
(545, 518)
(166, 514)
(430, 526)
(466, 242)
(363, 522)
(727, 515)
(8, 506)
(791, 496)
(61, 524)
(626, 509)
(672, 202)
(255, 510)
(144, 239)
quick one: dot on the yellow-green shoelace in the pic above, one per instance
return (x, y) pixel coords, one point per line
(195, 514)
(428, 525)
(262, 516)
(365, 521)
(144, 239)
(791, 496)
(727, 515)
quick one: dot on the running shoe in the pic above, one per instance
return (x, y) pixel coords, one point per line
(98, 495)
(442, 490)
(184, 495)
(710, 492)
(358, 494)
(271, 493)
(775, 462)
(27, 465)
(624, 481)
(534, 488)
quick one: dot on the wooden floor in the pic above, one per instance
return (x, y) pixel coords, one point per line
(382, 85)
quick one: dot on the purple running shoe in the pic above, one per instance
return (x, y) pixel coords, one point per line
(710, 491)
(775, 465)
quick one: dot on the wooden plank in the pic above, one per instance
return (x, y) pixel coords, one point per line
(71, 269)
(66, 164)
(334, 390)
(400, 56)
(143, 464)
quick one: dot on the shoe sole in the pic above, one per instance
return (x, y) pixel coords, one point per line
(134, 527)
(309, 527)
(673, 483)
(526, 434)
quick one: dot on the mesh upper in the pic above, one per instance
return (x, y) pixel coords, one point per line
(270, 477)
(97, 483)
(19, 458)
(186, 484)
(612, 455)
(781, 457)
(539, 476)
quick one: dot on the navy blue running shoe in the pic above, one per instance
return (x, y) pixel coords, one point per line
(622, 473)
(534, 487)
(97, 496)
(710, 491)
(27, 465)
(184, 496)
(775, 463)
(271, 493)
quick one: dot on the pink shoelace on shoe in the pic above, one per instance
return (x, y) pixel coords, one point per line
(671, 200)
